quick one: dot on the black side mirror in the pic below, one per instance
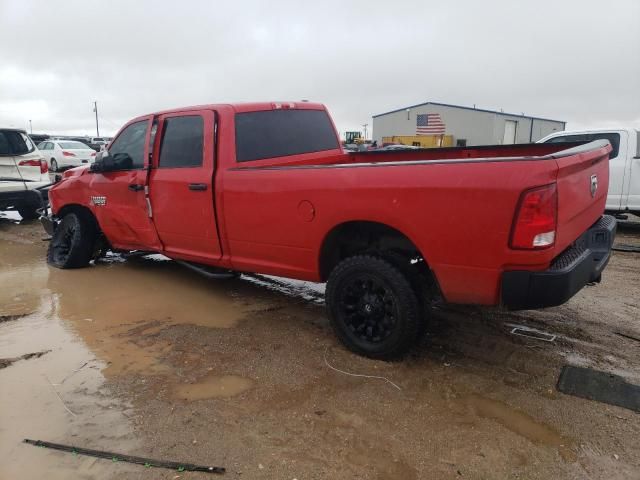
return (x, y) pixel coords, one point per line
(111, 163)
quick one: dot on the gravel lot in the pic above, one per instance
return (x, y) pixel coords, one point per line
(147, 358)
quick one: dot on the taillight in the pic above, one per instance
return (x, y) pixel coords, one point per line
(29, 163)
(93, 154)
(68, 154)
(36, 162)
(534, 225)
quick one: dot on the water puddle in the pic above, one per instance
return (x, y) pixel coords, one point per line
(92, 323)
(212, 387)
(57, 396)
(521, 424)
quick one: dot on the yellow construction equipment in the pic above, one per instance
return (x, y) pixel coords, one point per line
(423, 141)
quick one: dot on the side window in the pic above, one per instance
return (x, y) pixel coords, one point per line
(19, 142)
(5, 149)
(182, 142)
(278, 133)
(131, 141)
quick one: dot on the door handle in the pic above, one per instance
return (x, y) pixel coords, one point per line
(135, 187)
(198, 186)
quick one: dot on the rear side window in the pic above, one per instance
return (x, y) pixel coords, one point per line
(5, 148)
(13, 142)
(131, 141)
(278, 133)
(614, 140)
(182, 142)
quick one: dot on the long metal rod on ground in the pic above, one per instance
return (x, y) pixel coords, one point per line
(118, 457)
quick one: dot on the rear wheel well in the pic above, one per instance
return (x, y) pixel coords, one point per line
(360, 237)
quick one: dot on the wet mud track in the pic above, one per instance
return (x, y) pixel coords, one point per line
(147, 358)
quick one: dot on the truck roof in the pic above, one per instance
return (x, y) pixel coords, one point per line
(244, 107)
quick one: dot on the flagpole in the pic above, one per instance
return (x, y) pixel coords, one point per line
(95, 109)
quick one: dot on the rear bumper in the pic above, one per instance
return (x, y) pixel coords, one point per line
(580, 264)
(20, 198)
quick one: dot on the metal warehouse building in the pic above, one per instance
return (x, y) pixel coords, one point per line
(458, 126)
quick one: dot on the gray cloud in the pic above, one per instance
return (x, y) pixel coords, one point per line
(573, 60)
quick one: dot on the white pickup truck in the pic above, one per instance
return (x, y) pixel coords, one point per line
(624, 164)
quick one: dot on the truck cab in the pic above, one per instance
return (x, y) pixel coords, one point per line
(624, 164)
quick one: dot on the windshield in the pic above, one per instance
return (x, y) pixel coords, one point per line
(73, 145)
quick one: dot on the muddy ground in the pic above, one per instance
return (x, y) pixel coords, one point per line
(144, 357)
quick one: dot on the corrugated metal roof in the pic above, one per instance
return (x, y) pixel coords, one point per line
(468, 108)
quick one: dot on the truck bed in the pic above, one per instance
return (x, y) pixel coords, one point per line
(485, 152)
(455, 204)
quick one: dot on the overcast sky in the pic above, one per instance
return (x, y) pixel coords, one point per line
(577, 61)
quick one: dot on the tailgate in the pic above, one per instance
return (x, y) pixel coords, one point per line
(10, 178)
(583, 182)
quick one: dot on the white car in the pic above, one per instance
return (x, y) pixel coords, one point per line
(62, 154)
(624, 164)
(23, 170)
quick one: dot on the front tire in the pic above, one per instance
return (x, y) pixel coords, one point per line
(73, 242)
(54, 165)
(373, 307)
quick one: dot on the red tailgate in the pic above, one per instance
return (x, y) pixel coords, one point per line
(583, 181)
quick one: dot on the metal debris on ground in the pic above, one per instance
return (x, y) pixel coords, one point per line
(118, 457)
(624, 247)
(533, 333)
(377, 377)
(599, 386)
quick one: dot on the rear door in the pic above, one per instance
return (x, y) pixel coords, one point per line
(181, 185)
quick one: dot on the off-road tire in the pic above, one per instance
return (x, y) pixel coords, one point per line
(401, 311)
(73, 242)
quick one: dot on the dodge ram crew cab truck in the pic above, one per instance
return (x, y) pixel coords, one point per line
(265, 187)
(624, 164)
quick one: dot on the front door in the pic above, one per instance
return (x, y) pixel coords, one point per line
(119, 198)
(181, 186)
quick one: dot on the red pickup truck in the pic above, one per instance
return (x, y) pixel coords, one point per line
(266, 187)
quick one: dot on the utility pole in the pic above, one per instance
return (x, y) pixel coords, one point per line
(30, 128)
(365, 130)
(95, 109)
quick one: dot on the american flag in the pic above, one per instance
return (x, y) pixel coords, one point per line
(429, 124)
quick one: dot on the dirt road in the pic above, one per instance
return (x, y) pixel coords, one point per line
(144, 357)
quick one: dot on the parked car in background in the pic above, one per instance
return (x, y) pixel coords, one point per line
(23, 169)
(97, 141)
(624, 164)
(63, 154)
